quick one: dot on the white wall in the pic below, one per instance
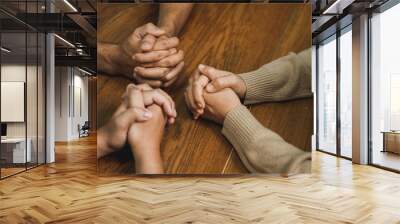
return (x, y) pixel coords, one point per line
(70, 83)
(12, 73)
(16, 73)
(61, 103)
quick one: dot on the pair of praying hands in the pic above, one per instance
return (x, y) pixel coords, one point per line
(139, 121)
(152, 54)
(213, 93)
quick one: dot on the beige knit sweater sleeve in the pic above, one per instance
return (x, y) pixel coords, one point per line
(286, 78)
(260, 149)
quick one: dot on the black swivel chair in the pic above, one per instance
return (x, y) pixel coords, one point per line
(84, 130)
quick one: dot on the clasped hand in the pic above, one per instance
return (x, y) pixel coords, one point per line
(155, 57)
(213, 93)
(139, 121)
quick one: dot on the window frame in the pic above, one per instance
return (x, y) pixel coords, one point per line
(381, 9)
(338, 33)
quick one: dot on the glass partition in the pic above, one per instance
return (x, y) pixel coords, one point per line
(327, 95)
(23, 91)
(15, 151)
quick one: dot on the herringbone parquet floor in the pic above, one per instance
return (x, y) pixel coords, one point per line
(70, 191)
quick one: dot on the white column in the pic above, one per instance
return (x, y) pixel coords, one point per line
(50, 93)
(360, 90)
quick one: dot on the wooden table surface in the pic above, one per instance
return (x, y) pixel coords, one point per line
(233, 37)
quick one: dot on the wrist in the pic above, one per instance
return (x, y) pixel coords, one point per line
(149, 160)
(231, 107)
(123, 61)
(169, 29)
(102, 145)
(145, 150)
(116, 61)
(242, 88)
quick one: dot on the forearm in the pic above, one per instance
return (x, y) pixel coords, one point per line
(260, 149)
(173, 16)
(102, 147)
(286, 78)
(112, 61)
(147, 159)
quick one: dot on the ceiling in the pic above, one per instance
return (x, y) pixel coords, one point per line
(72, 20)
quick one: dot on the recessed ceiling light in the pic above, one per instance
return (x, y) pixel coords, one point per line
(70, 5)
(65, 41)
(86, 72)
(5, 50)
(337, 7)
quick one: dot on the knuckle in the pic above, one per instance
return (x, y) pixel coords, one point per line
(152, 84)
(165, 71)
(157, 84)
(149, 25)
(158, 92)
(211, 70)
(167, 62)
(219, 82)
(167, 78)
(129, 86)
(181, 54)
(206, 69)
(197, 84)
(146, 85)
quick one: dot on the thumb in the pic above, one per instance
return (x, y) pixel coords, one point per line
(134, 114)
(220, 83)
(152, 29)
(148, 42)
(211, 72)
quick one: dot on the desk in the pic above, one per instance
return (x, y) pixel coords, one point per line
(234, 37)
(13, 150)
(391, 141)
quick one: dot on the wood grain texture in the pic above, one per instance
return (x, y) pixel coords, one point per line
(234, 37)
(70, 191)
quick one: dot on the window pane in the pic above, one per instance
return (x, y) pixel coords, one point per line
(345, 94)
(385, 84)
(327, 96)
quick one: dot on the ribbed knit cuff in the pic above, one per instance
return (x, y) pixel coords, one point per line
(301, 163)
(285, 78)
(271, 82)
(257, 89)
(240, 126)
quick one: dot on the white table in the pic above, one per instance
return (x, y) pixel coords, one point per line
(17, 146)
